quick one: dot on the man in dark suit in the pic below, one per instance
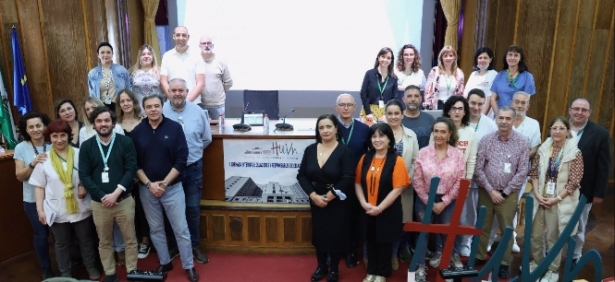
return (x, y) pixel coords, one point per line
(594, 145)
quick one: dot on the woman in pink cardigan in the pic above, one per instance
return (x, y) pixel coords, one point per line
(444, 80)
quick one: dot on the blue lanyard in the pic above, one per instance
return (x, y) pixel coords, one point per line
(105, 157)
(553, 167)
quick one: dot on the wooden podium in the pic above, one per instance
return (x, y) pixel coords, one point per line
(246, 227)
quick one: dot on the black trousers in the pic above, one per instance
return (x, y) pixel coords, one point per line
(378, 253)
(321, 257)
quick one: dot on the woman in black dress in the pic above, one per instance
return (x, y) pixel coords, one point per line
(326, 175)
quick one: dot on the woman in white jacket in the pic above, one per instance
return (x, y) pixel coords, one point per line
(556, 174)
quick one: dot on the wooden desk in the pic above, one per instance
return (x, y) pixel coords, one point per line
(16, 232)
(251, 228)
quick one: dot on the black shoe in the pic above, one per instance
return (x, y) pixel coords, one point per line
(333, 276)
(192, 275)
(478, 261)
(173, 253)
(199, 255)
(111, 278)
(164, 267)
(504, 272)
(319, 274)
(48, 273)
(351, 261)
(574, 263)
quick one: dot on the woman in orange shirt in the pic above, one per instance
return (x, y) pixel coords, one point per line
(380, 177)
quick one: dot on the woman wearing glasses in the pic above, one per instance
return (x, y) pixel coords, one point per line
(444, 80)
(379, 86)
(107, 79)
(556, 175)
(514, 78)
(408, 68)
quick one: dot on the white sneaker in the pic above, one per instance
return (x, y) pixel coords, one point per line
(456, 261)
(465, 251)
(421, 273)
(515, 248)
(489, 248)
(143, 250)
(435, 260)
(380, 279)
(551, 276)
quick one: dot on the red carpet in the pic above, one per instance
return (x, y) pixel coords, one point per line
(263, 268)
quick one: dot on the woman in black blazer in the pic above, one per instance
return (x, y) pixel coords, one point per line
(379, 85)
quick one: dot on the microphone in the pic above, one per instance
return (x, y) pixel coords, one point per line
(242, 126)
(285, 126)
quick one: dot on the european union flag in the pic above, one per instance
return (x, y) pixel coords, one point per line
(21, 92)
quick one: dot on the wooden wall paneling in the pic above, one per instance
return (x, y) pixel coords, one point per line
(137, 21)
(604, 48)
(597, 55)
(540, 18)
(306, 229)
(290, 229)
(607, 98)
(96, 25)
(492, 24)
(8, 19)
(65, 47)
(33, 51)
(271, 229)
(219, 227)
(236, 227)
(580, 52)
(466, 52)
(505, 30)
(204, 227)
(113, 32)
(214, 154)
(556, 103)
(254, 228)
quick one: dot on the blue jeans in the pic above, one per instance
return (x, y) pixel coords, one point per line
(41, 233)
(173, 202)
(443, 218)
(192, 181)
(214, 113)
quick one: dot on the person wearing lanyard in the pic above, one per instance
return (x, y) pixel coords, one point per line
(556, 175)
(444, 80)
(482, 125)
(379, 86)
(198, 136)
(354, 136)
(108, 165)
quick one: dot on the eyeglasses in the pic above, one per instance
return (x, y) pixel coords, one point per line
(561, 128)
(577, 109)
(457, 109)
(207, 43)
(346, 105)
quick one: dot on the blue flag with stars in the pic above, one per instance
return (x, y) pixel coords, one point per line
(21, 92)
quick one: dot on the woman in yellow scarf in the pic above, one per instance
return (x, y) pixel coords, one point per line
(61, 202)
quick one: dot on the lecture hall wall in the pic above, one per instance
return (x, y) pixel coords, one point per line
(569, 48)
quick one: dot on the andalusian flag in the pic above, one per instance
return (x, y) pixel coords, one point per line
(21, 92)
(6, 119)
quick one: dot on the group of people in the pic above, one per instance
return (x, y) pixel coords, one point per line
(128, 177)
(484, 135)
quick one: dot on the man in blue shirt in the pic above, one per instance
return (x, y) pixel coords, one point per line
(161, 159)
(198, 135)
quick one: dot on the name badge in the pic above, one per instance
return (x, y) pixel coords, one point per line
(105, 177)
(507, 168)
(550, 188)
(381, 104)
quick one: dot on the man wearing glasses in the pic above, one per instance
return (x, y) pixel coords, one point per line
(198, 135)
(594, 145)
(530, 128)
(354, 135)
(183, 62)
(217, 80)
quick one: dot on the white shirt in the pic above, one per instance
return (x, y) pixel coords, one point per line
(482, 82)
(44, 175)
(414, 78)
(530, 128)
(485, 126)
(185, 66)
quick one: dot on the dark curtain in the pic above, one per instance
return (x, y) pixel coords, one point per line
(439, 32)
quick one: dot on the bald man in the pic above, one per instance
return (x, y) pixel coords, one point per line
(183, 62)
(218, 79)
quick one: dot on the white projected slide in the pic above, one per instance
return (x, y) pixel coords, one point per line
(303, 45)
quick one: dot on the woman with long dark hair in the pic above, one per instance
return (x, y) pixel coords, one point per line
(326, 175)
(482, 77)
(379, 85)
(513, 78)
(381, 175)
